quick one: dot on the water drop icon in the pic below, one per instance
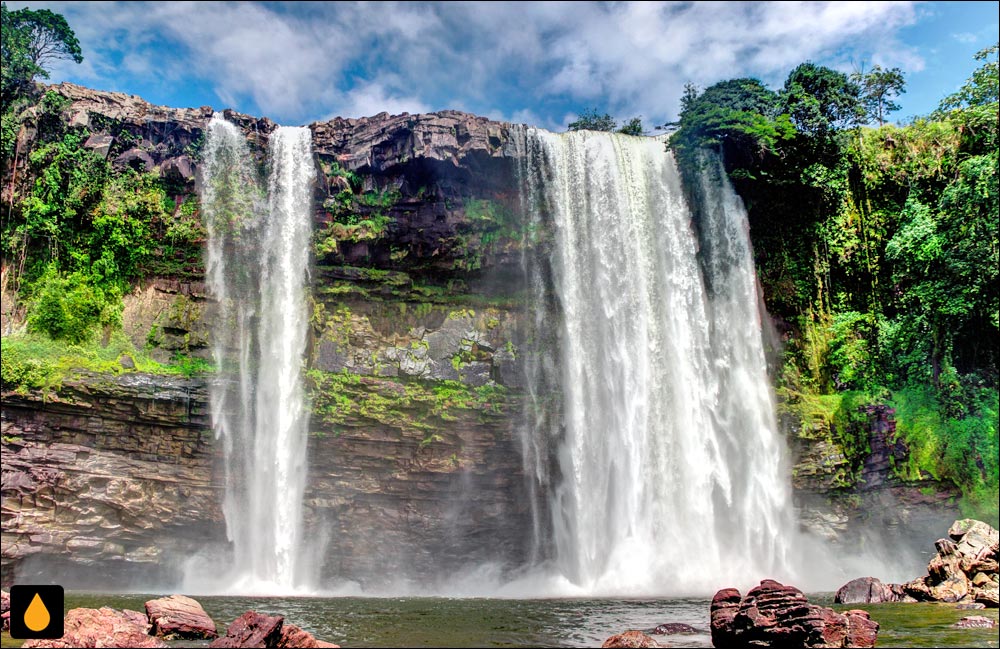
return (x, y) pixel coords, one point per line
(36, 617)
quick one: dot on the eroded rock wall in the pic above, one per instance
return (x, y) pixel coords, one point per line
(107, 478)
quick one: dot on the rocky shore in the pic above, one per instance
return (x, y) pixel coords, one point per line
(964, 571)
(175, 617)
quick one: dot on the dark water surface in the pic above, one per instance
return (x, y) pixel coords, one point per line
(445, 622)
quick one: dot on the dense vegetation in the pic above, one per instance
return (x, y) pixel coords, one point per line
(75, 233)
(877, 250)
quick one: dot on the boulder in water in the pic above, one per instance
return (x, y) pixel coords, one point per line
(672, 628)
(775, 615)
(181, 617)
(292, 637)
(252, 629)
(630, 640)
(964, 570)
(865, 590)
(104, 627)
(975, 622)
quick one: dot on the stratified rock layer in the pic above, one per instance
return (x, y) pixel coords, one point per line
(775, 615)
(111, 475)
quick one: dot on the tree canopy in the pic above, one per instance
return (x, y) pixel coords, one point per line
(820, 100)
(592, 120)
(878, 86)
(32, 40)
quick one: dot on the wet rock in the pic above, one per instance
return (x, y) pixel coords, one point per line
(5, 608)
(775, 615)
(964, 569)
(865, 590)
(975, 622)
(292, 637)
(104, 627)
(178, 616)
(725, 606)
(672, 628)
(252, 629)
(630, 640)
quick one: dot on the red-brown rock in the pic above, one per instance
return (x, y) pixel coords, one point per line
(292, 637)
(775, 615)
(725, 605)
(178, 616)
(104, 627)
(630, 640)
(865, 590)
(252, 629)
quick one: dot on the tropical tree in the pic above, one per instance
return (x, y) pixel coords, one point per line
(30, 42)
(820, 100)
(878, 86)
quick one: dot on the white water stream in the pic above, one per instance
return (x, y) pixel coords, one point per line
(673, 477)
(257, 263)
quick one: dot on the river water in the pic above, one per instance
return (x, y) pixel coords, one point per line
(447, 622)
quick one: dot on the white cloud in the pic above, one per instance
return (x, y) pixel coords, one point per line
(300, 61)
(373, 98)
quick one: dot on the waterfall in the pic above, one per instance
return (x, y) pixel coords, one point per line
(671, 473)
(257, 261)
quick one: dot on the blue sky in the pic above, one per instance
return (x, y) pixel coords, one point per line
(538, 63)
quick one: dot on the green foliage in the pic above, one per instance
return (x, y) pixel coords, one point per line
(591, 120)
(355, 217)
(632, 127)
(878, 250)
(36, 362)
(738, 116)
(961, 448)
(70, 307)
(30, 42)
(342, 399)
(982, 88)
(119, 241)
(820, 100)
(877, 88)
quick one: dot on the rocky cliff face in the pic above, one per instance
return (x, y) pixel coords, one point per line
(108, 479)
(864, 505)
(416, 350)
(413, 365)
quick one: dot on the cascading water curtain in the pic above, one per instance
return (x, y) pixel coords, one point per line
(257, 264)
(672, 475)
